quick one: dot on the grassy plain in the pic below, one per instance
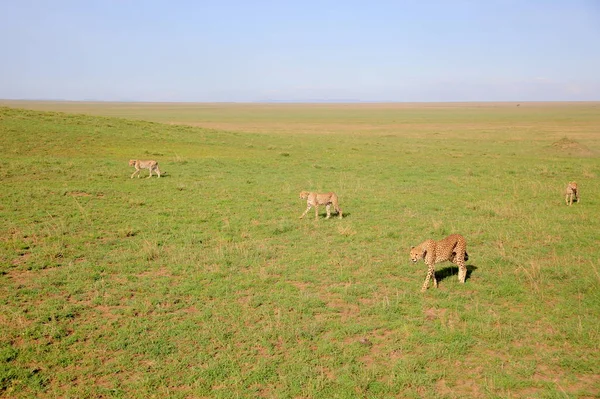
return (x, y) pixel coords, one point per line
(204, 283)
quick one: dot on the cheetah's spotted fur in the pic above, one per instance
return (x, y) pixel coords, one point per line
(572, 191)
(151, 165)
(316, 199)
(452, 248)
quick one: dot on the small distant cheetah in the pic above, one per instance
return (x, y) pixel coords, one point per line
(316, 199)
(139, 165)
(452, 248)
(572, 191)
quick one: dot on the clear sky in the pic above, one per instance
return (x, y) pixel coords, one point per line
(300, 50)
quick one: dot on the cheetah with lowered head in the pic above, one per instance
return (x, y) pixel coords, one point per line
(452, 248)
(316, 199)
(151, 165)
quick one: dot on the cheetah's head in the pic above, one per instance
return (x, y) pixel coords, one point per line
(415, 254)
(131, 162)
(304, 194)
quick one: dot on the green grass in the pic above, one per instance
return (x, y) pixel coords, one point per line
(204, 283)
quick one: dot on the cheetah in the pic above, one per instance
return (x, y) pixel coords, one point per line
(452, 248)
(316, 199)
(139, 165)
(572, 191)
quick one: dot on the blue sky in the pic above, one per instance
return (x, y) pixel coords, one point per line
(310, 50)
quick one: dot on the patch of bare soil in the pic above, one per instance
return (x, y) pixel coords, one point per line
(83, 194)
(432, 313)
(343, 309)
(21, 259)
(24, 278)
(583, 384)
(572, 147)
(78, 194)
(465, 388)
(161, 272)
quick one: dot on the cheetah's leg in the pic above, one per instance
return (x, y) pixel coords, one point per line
(157, 171)
(462, 269)
(328, 208)
(306, 211)
(134, 173)
(150, 170)
(430, 274)
(316, 211)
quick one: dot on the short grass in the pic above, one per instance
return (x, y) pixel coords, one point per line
(205, 283)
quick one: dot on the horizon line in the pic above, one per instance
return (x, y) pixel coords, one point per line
(314, 101)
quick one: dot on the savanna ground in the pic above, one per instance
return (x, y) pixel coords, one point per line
(204, 283)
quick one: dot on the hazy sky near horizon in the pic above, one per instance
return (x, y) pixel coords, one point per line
(310, 50)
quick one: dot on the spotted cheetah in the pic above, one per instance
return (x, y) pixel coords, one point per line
(139, 165)
(316, 199)
(572, 191)
(452, 248)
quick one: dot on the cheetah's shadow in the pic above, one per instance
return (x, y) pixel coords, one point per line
(334, 215)
(449, 271)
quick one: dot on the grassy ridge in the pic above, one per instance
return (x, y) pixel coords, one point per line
(205, 283)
